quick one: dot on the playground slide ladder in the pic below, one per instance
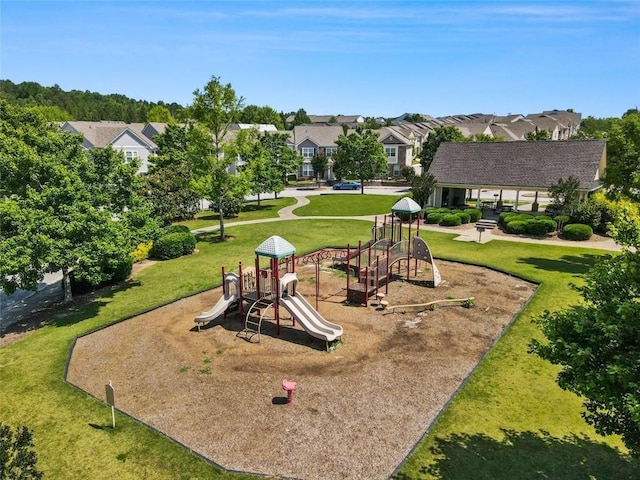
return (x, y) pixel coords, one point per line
(254, 317)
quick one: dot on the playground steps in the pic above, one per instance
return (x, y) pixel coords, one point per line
(254, 317)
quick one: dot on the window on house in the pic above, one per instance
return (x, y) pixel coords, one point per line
(391, 154)
(308, 152)
(395, 170)
(329, 152)
(130, 155)
(307, 170)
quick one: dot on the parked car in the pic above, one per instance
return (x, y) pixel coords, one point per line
(347, 185)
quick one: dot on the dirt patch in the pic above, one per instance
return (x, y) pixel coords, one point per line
(358, 410)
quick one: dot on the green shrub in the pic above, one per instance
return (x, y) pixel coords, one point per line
(474, 214)
(111, 270)
(550, 223)
(434, 217)
(168, 246)
(577, 231)
(589, 213)
(175, 229)
(464, 216)
(188, 243)
(536, 228)
(516, 227)
(450, 220)
(505, 216)
(444, 210)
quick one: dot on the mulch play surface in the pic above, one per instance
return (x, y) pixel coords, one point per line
(358, 410)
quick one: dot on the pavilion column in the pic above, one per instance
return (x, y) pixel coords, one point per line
(517, 198)
(478, 199)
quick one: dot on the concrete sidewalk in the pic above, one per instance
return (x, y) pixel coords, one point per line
(465, 233)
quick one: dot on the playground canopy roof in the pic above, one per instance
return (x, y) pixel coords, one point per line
(275, 247)
(406, 205)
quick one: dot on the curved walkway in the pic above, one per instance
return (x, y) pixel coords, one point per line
(464, 234)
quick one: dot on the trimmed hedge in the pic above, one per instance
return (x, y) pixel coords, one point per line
(173, 245)
(474, 214)
(433, 217)
(450, 220)
(516, 226)
(536, 228)
(577, 231)
(176, 229)
(464, 216)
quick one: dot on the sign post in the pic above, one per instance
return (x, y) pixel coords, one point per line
(111, 400)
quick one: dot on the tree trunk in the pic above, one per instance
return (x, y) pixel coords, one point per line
(221, 218)
(258, 201)
(66, 286)
(361, 187)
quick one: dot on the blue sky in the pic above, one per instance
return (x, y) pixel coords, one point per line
(373, 58)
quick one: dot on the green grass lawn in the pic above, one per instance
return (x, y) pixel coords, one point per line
(340, 205)
(250, 211)
(509, 421)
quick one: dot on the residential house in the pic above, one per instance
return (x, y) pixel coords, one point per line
(514, 166)
(135, 140)
(398, 146)
(310, 140)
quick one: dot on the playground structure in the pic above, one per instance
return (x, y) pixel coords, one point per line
(265, 290)
(370, 266)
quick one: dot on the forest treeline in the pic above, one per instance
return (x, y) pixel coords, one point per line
(59, 105)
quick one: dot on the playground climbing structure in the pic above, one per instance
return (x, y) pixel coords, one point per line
(371, 266)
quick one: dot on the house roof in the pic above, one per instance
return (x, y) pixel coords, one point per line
(321, 135)
(103, 133)
(525, 165)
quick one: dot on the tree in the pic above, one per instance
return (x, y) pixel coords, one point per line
(430, 146)
(597, 342)
(161, 114)
(623, 156)
(360, 155)
(565, 194)
(215, 108)
(301, 117)
(319, 162)
(17, 457)
(283, 159)
(422, 186)
(64, 209)
(537, 135)
(261, 115)
(169, 181)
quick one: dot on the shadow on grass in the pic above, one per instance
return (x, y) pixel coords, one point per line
(576, 264)
(526, 455)
(88, 305)
(214, 237)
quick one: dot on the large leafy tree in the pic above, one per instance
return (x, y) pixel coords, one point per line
(360, 155)
(160, 113)
(17, 457)
(64, 209)
(319, 162)
(597, 343)
(422, 186)
(623, 156)
(265, 115)
(169, 182)
(447, 133)
(215, 108)
(301, 117)
(283, 159)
